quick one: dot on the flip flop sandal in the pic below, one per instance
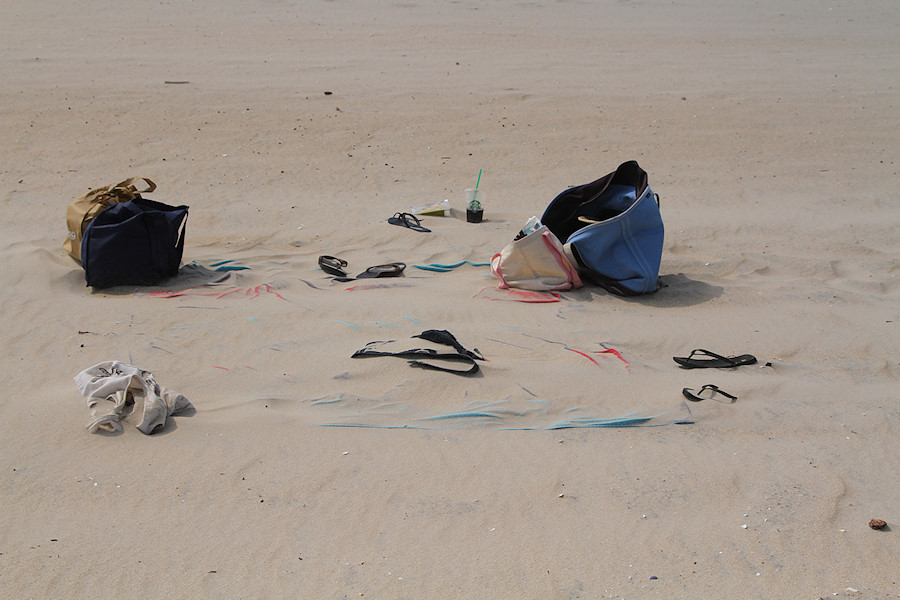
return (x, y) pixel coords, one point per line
(713, 360)
(333, 266)
(388, 270)
(408, 220)
(715, 391)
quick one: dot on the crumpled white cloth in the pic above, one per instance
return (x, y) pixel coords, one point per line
(113, 389)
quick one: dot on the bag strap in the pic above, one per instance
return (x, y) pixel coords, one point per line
(573, 258)
(182, 227)
(128, 184)
(104, 197)
(559, 253)
(426, 354)
(421, 355)
(124, 191)
(496, 269)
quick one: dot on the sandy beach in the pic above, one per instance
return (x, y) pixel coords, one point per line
(295, 130)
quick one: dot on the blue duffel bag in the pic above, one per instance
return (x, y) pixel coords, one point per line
(134, 243)
(612, 230)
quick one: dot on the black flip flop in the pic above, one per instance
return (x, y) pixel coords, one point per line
(713, 360)
(388, 270)
(408, 220)
(696, 397)
(333, 265)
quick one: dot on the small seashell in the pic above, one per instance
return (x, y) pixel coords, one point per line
(877, 524)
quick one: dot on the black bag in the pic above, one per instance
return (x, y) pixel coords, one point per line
(134, 243)
(612, 230)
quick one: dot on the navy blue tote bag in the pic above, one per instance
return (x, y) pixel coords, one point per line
(134, 243)
(612, 230)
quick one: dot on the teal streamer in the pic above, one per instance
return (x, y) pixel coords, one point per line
(223, 266)
(461, 415)
(588, 423)
(442, 268)
(328, 401)
(232, 268)
(361, 426)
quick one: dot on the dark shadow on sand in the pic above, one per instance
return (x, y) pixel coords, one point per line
(678, 291)
(189, 276)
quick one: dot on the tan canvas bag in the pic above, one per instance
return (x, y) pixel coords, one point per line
(535, 262)
(85, 209)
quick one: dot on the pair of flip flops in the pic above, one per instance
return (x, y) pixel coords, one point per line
(408, 220)
(704, 359)
(335, 266)
(710, 360)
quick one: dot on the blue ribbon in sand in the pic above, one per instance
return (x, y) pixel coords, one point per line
(223, 265)
(441, 268)
(496, 415)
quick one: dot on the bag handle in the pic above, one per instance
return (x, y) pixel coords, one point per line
(128, 184)
(562, 260)
(124, 191)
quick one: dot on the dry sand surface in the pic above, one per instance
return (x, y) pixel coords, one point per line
(294, 129)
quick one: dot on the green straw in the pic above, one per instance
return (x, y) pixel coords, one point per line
(475, 204)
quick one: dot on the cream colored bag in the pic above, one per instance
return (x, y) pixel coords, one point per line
(85, 209)
(535, 262)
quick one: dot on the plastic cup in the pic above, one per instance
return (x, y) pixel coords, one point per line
(474, 205)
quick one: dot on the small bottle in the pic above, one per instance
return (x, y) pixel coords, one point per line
(436, 209)
(530, 226)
